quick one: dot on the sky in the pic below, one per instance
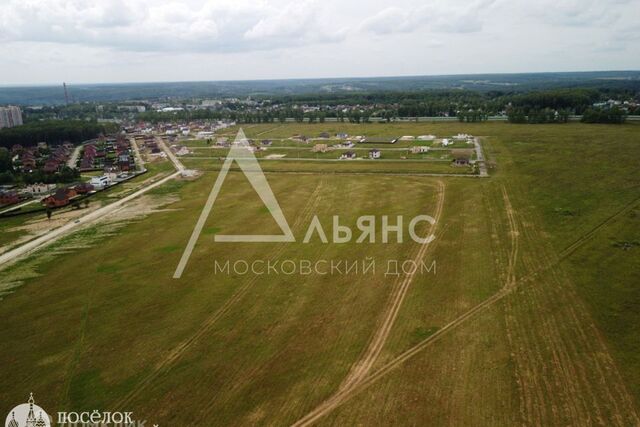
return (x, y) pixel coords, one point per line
(51, 41)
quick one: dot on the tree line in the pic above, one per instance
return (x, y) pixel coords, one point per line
(53, 132)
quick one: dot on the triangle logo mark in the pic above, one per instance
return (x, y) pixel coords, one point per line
(241, 152)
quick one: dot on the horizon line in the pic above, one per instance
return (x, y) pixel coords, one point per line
(396, 76)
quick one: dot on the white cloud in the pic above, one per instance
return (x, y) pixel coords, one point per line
(127, 40)
(443, 17)
(144, 25)
(580, 13)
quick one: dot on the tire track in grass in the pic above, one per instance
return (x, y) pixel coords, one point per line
(609, 377)
(365, 380)
(361, 368)
(565, 373)
(364, 365)
(167, 362)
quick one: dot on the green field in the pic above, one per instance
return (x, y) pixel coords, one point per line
(531, 316)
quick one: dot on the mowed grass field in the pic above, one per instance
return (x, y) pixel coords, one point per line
(551, 233)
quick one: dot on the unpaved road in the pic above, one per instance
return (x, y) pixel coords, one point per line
(351, 388)
(174, 159)
(136, 151)
(12, 255)
(73, 159)
(363, 366)
(610, 379)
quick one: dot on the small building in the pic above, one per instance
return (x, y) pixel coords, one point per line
(407, 138)
(60, 198)
(379, 140)
(51, 166)
(9, 197)
(320, 148)
(375, 154)
(348, 155)
(461, 157)
(39, 189)
(446, 142)
(419, 149)
(342, 135)
(426, 137)
(100, 182)
(84, 188)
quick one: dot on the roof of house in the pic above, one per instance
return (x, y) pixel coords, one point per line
(461, 154)
(380, 140)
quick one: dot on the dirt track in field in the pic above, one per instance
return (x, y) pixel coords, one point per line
(354, 384)
(167, 362)
(564, 371)
(362, 367)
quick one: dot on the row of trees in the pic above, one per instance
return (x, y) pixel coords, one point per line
(613, 115)
(54, 132)
(537, 116)
(472, 116)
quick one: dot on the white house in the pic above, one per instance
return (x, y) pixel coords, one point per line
(204, 135)
(446, 142)
(374, 154)
(419, 149)
(348, 155)
(100, 182)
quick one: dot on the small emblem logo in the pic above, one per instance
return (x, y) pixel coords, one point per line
(28, 415)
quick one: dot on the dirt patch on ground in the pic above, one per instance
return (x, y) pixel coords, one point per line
(82, 238)
(40, 225)
(141, 207)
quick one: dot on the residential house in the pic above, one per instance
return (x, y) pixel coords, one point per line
(84, 188)
(375, 154)
(379, 140)
(60, 198)
(418, 149)
(348, 155)
(39, 189)
(100, 182)
(9, 198)
(461, 157)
